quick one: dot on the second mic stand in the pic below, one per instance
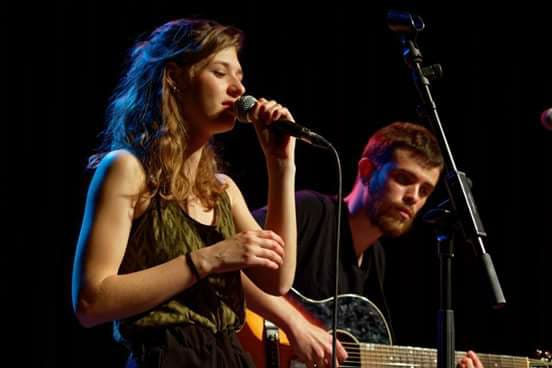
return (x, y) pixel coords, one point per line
(444, 231)
(456, 182)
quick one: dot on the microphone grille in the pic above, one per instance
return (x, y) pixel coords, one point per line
(242, 107)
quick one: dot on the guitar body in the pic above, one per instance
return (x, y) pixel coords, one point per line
(359, 320)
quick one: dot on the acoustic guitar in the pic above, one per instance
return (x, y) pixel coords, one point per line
(363, 332)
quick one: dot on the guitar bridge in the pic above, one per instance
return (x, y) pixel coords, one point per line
(272, 343)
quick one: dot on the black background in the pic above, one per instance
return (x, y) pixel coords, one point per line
(340, 71)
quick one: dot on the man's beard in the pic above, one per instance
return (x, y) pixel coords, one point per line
(386, 216)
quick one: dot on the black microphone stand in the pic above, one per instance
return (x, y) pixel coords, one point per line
(444, 230)
(463, 213)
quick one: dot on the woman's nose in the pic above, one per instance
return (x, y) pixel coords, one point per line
(236, 88)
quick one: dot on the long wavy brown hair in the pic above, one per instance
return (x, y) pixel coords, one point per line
(143, 115)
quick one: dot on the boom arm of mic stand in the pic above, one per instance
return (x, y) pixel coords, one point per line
(457, 183)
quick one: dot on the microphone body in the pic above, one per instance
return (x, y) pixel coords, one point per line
(243, 107)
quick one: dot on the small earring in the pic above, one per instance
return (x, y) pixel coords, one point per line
(173, 88)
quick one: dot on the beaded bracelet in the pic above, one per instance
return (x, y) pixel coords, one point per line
(192, 266)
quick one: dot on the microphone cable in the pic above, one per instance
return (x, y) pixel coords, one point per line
(336, 249)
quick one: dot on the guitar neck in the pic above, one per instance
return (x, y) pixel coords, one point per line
(403, 356)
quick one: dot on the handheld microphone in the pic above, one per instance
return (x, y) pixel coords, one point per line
(244, 105)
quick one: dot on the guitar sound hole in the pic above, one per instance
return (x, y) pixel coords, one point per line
(344, 336)
(351, 345)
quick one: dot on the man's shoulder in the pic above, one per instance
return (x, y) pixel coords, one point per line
(310, 204)
(313, 198)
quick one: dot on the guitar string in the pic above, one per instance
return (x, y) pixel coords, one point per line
(380, 356)
(397, 356)
(428, 361)
(424, 356)
(390, 355)
(371, 356)
(421, 361)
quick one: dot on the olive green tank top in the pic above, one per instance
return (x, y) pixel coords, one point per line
(164, 232)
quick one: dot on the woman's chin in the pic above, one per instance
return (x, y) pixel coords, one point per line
(225, 124)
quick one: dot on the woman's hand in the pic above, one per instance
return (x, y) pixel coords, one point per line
(275, 146)
(250, 248)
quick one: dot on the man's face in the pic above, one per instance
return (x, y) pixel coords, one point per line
(397, 191)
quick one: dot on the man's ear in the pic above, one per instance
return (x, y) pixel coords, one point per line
(365, 169)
